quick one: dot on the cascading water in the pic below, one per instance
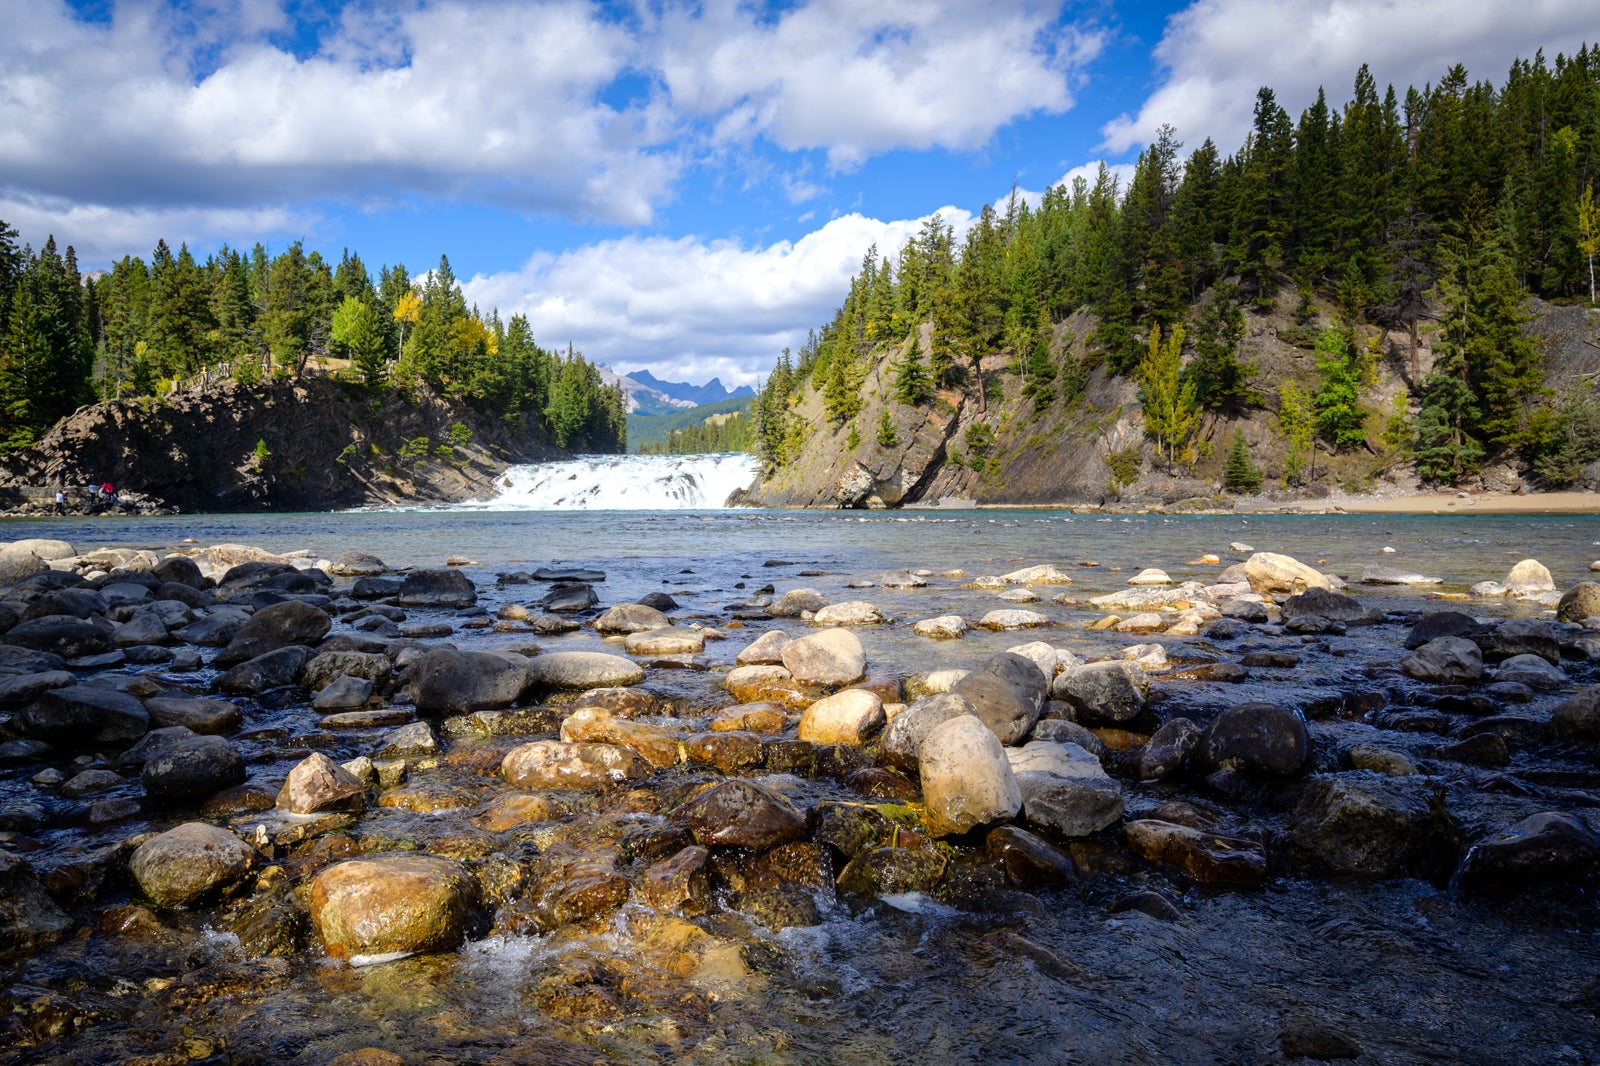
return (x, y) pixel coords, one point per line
(622, 483)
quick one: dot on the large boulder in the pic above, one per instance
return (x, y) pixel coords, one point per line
(1578, 716)
(1371, 826)
(1445, 660)
(831, 657)
(1519, 636)
(597, 725)
(767, 649)
(796, 602)
(193, 768)
(627, 618)
(851, 717)
(1258, 739)
(967, 782)
(1528, 578)
(85, 716)
(902, 740)
(192, 863)
(1334, 606)
(437, 588)
(1007, 694)
(73, 603)
(323, 669)
(392, 905)
(741, 813)
(1209, 858)
(1167, 750)
(669, 640)
(557, 765)
(215, 717)
(851, 613)
(1579, 602)
(447, 681)
(1440, 624)
(1548, 846)
(1269, 572)
(1064, 788)
(289, 622)
(1109, 692)
(60, 634)
(1534, 671)
(576, 670)
(275, 669)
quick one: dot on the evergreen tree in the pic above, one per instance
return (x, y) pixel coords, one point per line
(1220, 378)
(1344, 370)
(355, 333)
(888, 436)
(1239, 474)
(913, 384)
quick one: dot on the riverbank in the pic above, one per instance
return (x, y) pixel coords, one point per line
(1448, 502)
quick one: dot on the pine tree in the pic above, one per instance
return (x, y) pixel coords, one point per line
(888, 436)
(1239, 474)
(913, 384)
(1221, 379)
(1170, 410)
(1344, 370)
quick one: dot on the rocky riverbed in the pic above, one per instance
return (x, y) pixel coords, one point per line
(260, 807)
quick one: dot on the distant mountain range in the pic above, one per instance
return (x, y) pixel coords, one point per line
(649, 395)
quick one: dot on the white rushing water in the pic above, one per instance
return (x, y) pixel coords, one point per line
(622, 483)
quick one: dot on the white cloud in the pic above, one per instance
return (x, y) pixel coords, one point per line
(1217, 53)
(101, 234)
(688, 308)
(857, 79)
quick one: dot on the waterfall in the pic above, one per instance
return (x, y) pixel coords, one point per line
(621, 483)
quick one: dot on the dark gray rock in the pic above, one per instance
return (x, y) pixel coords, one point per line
(272, 670)
(193, 768)
(1333, 606)
(375, 588)
(568, 573)
(1446, 660)
(1167, 750)
(60, 634)
(1109, 692)
(74, 602)
(1519, 636)
(85, 716)
(20, 689)
(1006, 693)
(1440, 624)
(447, 681)
(1257, 739)
(211, 717)
(1372, 826)
(29, 918)
(1543, 847)
(437, 588)
(181, 570)
(569, 598)
(1578, 717)
(1244, 610)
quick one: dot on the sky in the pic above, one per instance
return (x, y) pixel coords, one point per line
(680, 187)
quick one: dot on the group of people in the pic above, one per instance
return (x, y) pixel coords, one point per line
(96, 498)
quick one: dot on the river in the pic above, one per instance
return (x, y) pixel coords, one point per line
(1402, 971)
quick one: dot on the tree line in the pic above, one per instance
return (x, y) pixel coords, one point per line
(1440, 211)
(139, 328)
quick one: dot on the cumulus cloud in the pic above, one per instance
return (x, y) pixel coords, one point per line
(689, 308)
(857, 79)
(1217, 53)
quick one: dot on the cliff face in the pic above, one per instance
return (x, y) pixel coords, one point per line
(1093, 450)
(312, 445)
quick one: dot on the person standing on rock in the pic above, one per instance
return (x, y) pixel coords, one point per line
(61, 501)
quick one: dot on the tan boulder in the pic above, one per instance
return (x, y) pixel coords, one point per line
(851, 717)
(392, 905)
(1269, 572)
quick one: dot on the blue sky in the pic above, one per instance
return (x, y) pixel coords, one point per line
(680, 187)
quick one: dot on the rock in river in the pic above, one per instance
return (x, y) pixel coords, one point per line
(967, 780)
(743, 814)
(1368, 825)
(1448, 660)
(1548, 846)
(831, 657)
(1007, 694)
(392, 905)
(191, 863)
(581, 670)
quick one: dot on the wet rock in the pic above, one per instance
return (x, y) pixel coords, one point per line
(944, 627)
(1150, 903)
(1446, 660)
(326, 667)
(276, 626)
(1109, 692)
(1578, 717)
(1481, 749)
(1006, 620)
(1440, 624)
(902, 579)
(1330, 605)
(1007, 694)
(1245, 609)
(1029, 861)
(741, 813)
(1209, 858)
(81, 603)
(670, 640)
(681, 884)
(887, 871)
(570, 598)
(770, 684)
(1375, 574)
(193, 768)
(1365, 825)
(375, 588)
(272, 670)
(1380, 760)
(1167, 750)
(1579, 602)
(1307, 1041)
(357, 564)
(318, 785)
(80, 716)
(1519, 636)
(653, 744)
(59, 634)
(29, 918)
(446, 681)
(190, 864)
(621, 702)
(394, 904)
(796, 602)
(851, 613)
(967, 780)
(1528, 577)
(1533, 671)
(766, 650)
(729, 751)
(344, 693)
(1269, 572)
(831, 657)
(627, 618)
(1257, 739)
(25, 688)
(412, 741)
(436, 588)
(903, 737)
(582, 670)
(852, 717)
(1543, 847)
(552, 764)
(1064, 789)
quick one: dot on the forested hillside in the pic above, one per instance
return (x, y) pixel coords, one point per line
(1356, 282)
(140, 329)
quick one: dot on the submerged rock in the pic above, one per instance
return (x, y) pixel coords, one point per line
(1367, 825)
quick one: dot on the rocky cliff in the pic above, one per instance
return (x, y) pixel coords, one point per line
(316, 444)
(990, 445)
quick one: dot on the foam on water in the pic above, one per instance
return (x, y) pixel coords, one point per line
(622, 483)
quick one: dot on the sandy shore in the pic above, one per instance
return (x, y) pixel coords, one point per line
(1452, 503)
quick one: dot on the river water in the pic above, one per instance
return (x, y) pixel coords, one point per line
(1405, 971)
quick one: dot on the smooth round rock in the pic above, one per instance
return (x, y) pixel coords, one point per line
(557, 765)
(191, 863)
(192, 768)
(668, 640)
(967, 780)
(582, 670)
(741, 813)
(851, 717)
(392, 905)
(831, 657)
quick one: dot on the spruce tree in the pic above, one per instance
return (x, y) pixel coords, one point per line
(1239, 474)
